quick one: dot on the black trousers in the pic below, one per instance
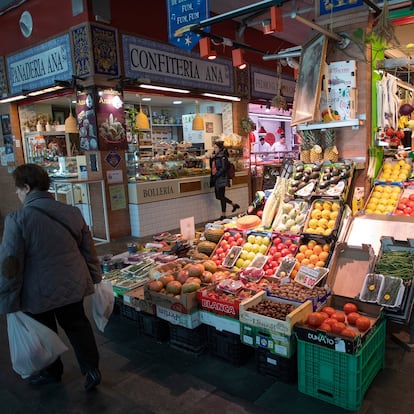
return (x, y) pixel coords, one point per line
(78, 329)
(220, 194)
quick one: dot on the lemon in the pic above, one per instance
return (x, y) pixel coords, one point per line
(316, 214)
(369, 211)
(318, 206)
(336, 206)
(334, 215)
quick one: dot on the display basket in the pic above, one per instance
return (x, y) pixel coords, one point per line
(324, 218)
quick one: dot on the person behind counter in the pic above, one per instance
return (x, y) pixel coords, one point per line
(48, 264)
(219, 178)
(262, 147)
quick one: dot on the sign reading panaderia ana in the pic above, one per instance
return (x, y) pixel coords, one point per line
(171, 66)
(40, 66)
(265, 85)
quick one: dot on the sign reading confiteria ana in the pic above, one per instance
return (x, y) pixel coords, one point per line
(171, 66)
(40, 66)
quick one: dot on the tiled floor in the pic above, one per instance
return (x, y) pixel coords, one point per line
(143, 376)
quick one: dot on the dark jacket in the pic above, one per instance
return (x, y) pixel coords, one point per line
(220, 178)
(42, 266)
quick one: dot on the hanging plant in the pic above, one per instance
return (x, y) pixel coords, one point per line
(247, 125)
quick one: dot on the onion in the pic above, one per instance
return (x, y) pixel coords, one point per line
(406, 109)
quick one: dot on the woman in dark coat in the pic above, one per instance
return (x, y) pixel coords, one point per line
(219, 178)
(48, 265)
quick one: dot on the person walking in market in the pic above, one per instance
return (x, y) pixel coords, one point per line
(219, 178)
(48, 264)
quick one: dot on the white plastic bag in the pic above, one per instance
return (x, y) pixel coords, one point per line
(102, 303)
(33, 346)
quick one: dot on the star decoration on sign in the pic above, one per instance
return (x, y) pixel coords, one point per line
(188, 40)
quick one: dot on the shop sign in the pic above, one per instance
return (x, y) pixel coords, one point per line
(157, 191)
(181, 15)
(111, 120)
(145, 59)
(265, 84)
(40, 66)
(329, 7)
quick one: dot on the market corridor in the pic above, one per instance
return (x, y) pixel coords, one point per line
(143, 376)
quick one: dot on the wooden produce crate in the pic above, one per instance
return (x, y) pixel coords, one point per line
(285, 327)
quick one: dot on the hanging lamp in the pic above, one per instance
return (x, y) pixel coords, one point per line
(198, 122)
(141, 120)
(71, 126)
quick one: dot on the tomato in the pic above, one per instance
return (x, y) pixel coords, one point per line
(276, 241)
(410, 203)
(330, 321)
(325, 327)
(348, 332)
(350, 307)
(338, 327)
(288, 242)
(280, 247)
(351, 317)
(408, 210)
(329, 310)
(293, 248)
(363, 323)
(285, 252)
(339, 316)
(314, 319)
(324, 315)
(411, 197)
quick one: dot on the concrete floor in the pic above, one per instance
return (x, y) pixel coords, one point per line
(144, 376)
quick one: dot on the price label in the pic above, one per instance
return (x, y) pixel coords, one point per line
(307, 276)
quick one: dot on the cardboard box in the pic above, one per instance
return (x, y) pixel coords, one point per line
(187, 320)
(135, 298)
(221, 304)
(274, 325)
(275, 343)
(221, 323)
(184, 303)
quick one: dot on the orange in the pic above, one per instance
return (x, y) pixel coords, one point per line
(305, 261)
(326, 247)
(320, 263)
(311, 244)
(323, 256)
(303, 248)
(300, 257)
(314, 258)
(317, 249)
(308, 253)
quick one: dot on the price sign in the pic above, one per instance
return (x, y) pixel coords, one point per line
(307, 276)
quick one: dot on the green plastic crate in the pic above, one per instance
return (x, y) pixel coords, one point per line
(337, 377)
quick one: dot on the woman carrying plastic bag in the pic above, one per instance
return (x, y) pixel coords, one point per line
(33, 346)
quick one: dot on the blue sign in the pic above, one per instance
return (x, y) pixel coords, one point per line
(334, 6)
(182, 14)
(40, 66)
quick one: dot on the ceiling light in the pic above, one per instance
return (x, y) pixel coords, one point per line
(205, 49)
(12, 98)
(46, 90)
(146, 99)
(163, 88)
(266, 27)
(177, 102)
(238, 59)
(226, 97)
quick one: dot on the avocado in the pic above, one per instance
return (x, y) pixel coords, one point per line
(298, 176)
(314, 175)
(299, 168)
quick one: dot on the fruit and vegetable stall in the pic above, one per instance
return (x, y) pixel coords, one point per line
(288, 281)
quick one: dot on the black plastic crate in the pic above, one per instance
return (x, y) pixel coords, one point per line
(128, 312)
(228, 346)
(119, 301)
(190, 340)
(284, 369)
(153, 326)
